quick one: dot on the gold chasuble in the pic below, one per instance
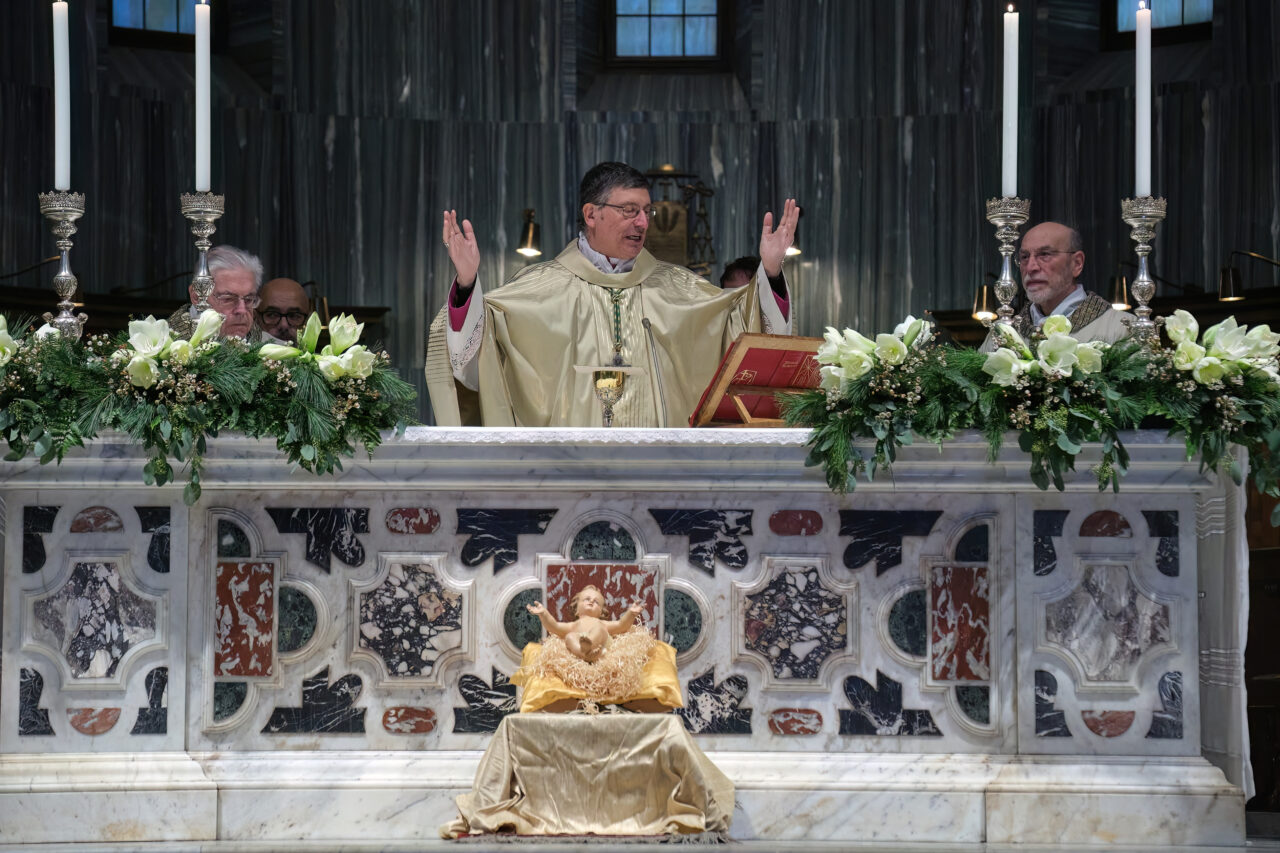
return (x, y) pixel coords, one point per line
(562, 313)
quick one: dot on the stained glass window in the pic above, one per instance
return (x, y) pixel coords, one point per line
(665, 29)
(1164, 13)
(162, 16)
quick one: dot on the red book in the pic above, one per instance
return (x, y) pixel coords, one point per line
(755, 368)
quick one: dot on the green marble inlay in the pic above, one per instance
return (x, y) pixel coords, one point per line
(603, 540)
(907, 623)
(975, 701)
(682, 619)
(228, 696)
(297, 619)
(522, 627)
(232, 541)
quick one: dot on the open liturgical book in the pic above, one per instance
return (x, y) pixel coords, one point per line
(752, 372)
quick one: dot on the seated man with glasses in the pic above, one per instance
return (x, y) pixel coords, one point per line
(1051, 258)
(237, 276)
(510, 357)
(283, 308)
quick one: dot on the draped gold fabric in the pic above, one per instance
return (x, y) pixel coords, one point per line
(577, 774)
(555, 315)
(658, 681)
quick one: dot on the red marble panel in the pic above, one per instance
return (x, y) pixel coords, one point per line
(796, 522)
(245, 619)
(407, 720)
(795, 721)
(621, 583)
(1108, 723)
(1106, 522)
(960, 622)
(410, 520)
(93, 721)
(96, 519)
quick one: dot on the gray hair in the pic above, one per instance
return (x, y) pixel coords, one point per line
(226, 257)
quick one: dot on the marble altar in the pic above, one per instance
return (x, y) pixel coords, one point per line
(947, 654)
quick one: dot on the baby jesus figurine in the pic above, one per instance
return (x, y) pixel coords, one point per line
(588, 635)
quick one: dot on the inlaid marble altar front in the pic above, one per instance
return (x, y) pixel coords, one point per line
(949, 653)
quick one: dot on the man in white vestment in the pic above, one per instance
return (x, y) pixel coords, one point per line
(521, 355)
(1051, 258)
(237, 275)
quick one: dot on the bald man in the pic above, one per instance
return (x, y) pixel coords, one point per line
(1051, 259)
(283, 308)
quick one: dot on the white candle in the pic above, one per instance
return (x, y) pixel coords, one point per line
(202, 97)
(1009, 164)
(1142, 105)
(61, 100)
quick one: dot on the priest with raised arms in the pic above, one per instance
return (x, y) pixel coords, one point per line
(508, 357)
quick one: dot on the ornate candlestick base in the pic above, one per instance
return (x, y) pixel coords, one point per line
(63, 209)
(1007, 214)
(203, 209)
(1143, 214)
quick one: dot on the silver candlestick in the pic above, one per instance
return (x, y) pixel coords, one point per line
(1007, 214)
(1143, 214)
(203, 209)
(63, 209)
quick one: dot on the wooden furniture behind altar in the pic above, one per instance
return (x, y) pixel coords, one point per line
(946, 655)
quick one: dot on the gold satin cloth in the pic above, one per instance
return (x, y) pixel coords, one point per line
(578, 774)
(658, 681)
(558, 314)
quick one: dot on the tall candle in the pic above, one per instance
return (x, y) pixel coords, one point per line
(1009, 159)
(1142, 105)
(202, 97)
(61, 100)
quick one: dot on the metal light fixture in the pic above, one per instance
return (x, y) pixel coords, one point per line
(530, 236)
(1230, 282)
(1119, 287)
(984, 303)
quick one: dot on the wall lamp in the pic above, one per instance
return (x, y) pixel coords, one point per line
(1230, 282)
(984, 301)
(530, 236)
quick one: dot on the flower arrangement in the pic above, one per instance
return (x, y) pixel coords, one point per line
(172, 394)
(1057, 392)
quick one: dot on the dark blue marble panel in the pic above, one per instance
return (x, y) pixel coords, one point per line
(716, 709)
(329, 530)
(603, 541)
(155, 520)
(495, 533)
(32, 719)
(154, 719)
(712, 533)
(1050, 722)
(232, 540)
(35, 521)
(1046, 524)
(95, 619)
(1164, 524)
(326, 708)
(228, 696)
(521, 626)
(975, 702)
(410, 620)
(877, 534)
(796, 623)
(486, 705)
(974, 546)
(878, 710)
(1167, 722)
(681, 619)
(909, 623)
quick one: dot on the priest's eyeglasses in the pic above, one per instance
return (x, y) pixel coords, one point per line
(631, 211)
(227, 301)
(1042, 257)
(294, 318)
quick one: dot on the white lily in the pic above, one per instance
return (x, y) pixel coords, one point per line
(1089, 358)
(1227, 341)
(180, 352)
(8, 346)
(358, 362)
(1181, 327)
(829, 351)
(143, 371)
(206, 327)
(46, 331)
(856, 363)
(1057, 353)
(1263, 343)
(890, 349)
(832, 377)
(1004, 367)
(1209, 370)
(344, 332)
(1009, 336)
(1056, 324)
(278, 352)
(1187, 355)
(149, 337)
(330, 366)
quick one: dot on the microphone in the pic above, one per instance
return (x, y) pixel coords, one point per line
(653, 358)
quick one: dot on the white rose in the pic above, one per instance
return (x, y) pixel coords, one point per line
(890, 349)
(1181, 327)
(148, 337)
(143, 371)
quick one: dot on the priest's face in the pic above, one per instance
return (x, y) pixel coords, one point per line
(1049, 267)
(234, 296)
(616, 228)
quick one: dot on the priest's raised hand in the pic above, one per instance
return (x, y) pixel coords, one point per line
(464, 252)
(774, 242)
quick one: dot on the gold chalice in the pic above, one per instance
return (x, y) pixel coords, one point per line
(608, 385)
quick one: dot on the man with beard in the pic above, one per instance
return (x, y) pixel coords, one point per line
(1051, 258)
(510, 357)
